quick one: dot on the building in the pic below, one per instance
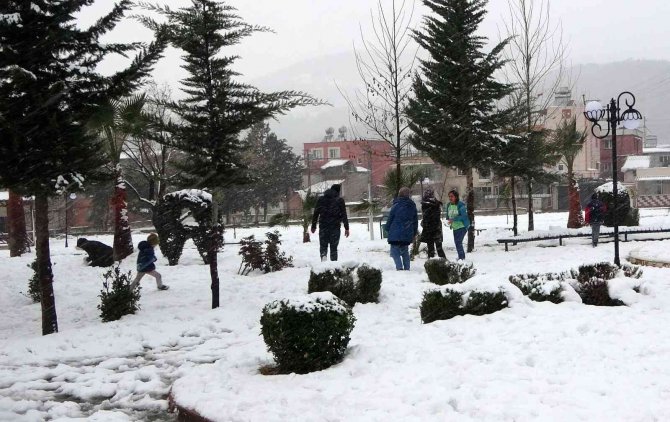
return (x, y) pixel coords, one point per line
(649, 177)
(628, 143)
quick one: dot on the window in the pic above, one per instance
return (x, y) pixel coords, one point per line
(567, 113)
(317, 154)
(460, 172)
(561, 167)
(665, 160)
(606, 167)
(360, 160)
(334, 152)
(658, 187)
(608, 143)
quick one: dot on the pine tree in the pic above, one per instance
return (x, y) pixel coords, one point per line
(16, 227)
(216, 108)
(453, 114)
(48, 87)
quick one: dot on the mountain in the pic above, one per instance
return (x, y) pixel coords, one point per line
(648, 80)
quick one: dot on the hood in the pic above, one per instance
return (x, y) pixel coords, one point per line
(330, 193)
(404, 201)
(144, 245)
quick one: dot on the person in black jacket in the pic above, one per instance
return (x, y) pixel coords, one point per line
(330, 212)
(145, 262)
(99, 254)
(431, 224)
(595, 215)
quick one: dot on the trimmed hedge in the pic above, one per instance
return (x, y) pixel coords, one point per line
(447, 303)
(592, 282)
(307, 336)
(540, 287)
(351, 284)
(442, 271)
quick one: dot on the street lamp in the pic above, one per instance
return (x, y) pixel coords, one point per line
(613, 116)
(72, 196)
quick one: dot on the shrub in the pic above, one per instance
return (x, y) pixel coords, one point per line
(307, 335)
(595, 292)
(368, 284)
(279, 220)
(482, 303)
(437, 305)
(602, 270)
(447, 303)
(275, 260)
(441, 271)
(540, 287)
(338, 281)
(632, 271)
(350, 283)
(118, 298)
(624, 210)
(34, 288)
(268, 259)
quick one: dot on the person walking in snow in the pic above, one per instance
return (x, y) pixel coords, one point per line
(594, 215)
(145, 262)
(431, 223)
(402, 226)
(458, 221)
(330, 212)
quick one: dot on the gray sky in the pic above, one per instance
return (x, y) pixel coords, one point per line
(596, 31)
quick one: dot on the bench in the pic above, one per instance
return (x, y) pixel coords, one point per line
(562, 236)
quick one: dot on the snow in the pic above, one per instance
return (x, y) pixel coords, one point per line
(607, 187)
(334, 163)
(4, 195)
(634, 162)
(318, 301)
(361, 169)
(650, 253)
(10, 18)
(319, 187)
(651, 178)
(531, 361)
(192, 195)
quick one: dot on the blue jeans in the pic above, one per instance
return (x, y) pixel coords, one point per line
(400, 255)
(459, 235)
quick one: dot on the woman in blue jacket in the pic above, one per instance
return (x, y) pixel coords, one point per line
(457, 215)
(402, 226)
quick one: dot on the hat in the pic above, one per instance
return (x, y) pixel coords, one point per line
(337, 188)
(428, 193)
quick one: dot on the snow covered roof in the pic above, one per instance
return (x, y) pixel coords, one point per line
(4, 195)
(320, 187)
(650, 178)
(361, 169)
(635, 162)
(334, 163)
(656, 150)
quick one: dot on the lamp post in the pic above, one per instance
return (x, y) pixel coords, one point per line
(72, 196)
(613, 116)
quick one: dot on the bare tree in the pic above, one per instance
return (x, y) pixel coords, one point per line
(535, 63)
(150, 152)
(385, 65)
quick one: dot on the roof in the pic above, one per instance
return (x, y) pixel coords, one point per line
(657, 150)
(607, 187)
(334, 163)
(361, 169)
(319, 187)
(634, 162)
(651, 178)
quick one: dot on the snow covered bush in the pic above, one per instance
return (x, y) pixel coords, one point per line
(540, 287)
(592, 282)
(34, 291)
(368, 285)
(279, 220)
(350, 282)
(626, 215)
(118, 298)
(308, 333)
(447, 303)
(268, 259)
(442, 271)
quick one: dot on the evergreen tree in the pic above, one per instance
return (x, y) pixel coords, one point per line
(216, 107)
(48, 87)
(453, 114)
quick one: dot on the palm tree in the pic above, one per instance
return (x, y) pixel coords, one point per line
(115, 123)
(568, 141)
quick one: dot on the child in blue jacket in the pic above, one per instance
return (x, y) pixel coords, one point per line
(145, 262)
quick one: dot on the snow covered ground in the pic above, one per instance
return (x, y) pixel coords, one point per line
(533, 361)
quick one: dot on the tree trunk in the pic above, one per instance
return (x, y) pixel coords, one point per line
(215, 240)
(515, 216)
(152, 190)
(471, 208)
(123, 241)
(575, 218)
(531, 222)
(49, 318)
(398, 173)
(18, 239)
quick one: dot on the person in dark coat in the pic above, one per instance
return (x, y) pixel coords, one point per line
(145, 262)
(330, 212)
(99, 254)
(431, 223)
(402, 226)
(595, 215)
